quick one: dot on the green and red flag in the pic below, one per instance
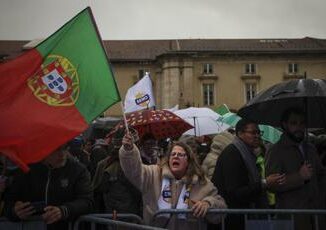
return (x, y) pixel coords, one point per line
(51, 93)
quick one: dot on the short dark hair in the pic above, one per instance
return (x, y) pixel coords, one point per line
(242, 124)
(288, 112)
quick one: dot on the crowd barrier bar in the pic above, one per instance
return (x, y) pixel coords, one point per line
(104, 218)
(246, 212)
(38, 221)
(93, 219)
(120, 216)
(32, 223)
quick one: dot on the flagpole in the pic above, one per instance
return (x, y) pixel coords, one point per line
(124, 117)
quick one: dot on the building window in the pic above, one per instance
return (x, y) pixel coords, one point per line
(250, 68)
(293, 68)
(208, 92)
(208, 68)
(250, 90)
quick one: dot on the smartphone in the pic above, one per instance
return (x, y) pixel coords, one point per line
(39, 207)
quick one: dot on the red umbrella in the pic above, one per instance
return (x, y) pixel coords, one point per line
(160, 123)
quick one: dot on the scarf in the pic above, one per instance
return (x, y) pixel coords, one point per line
(249, 159)
(165, 200)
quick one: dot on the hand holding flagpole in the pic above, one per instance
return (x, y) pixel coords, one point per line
(127, 142)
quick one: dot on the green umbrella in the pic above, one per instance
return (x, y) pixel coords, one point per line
(270, 133)
(222, 109)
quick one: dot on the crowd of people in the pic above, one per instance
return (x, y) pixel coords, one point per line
(125, 173)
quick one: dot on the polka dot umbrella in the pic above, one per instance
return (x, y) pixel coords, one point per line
(159, 123)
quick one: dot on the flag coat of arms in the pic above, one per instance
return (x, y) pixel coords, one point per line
(51, 93)
(140, 96)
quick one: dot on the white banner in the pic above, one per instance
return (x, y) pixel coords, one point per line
(140, 96)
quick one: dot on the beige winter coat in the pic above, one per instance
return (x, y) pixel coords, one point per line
(220, 141)
(148, 179)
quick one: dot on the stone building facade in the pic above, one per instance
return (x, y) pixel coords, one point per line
(207, 72)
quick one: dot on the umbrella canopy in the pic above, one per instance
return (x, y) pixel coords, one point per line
(308, 94)
(222, 109)
(270, 133)
(159, 123)
(105, 122)
(99, 127)
(204, 120)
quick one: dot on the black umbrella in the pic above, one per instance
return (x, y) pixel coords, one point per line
(308, 94)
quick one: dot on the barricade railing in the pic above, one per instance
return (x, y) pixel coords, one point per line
(37, 223)
(129, 217)
(96, 220)
(33, 223)
(270, 216)
(106, 219)
(201, 223)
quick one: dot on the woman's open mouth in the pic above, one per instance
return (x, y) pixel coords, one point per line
(175, 163)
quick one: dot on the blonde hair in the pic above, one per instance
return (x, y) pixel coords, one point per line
(193, 163)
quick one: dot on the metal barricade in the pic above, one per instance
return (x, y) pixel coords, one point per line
(268, 219)
(127, 217)
(31, 224)
(271, 220)
(275, 217)
(201, 223)
(106, 219)
(37, 223)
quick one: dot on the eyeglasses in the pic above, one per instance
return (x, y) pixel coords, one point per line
(180, 155)
(254, 132)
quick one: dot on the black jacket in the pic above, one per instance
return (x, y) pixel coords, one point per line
(231, 177)
(68, 187)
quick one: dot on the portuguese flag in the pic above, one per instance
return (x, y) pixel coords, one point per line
(50, 94)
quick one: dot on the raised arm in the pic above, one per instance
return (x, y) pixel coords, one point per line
(138, 174)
